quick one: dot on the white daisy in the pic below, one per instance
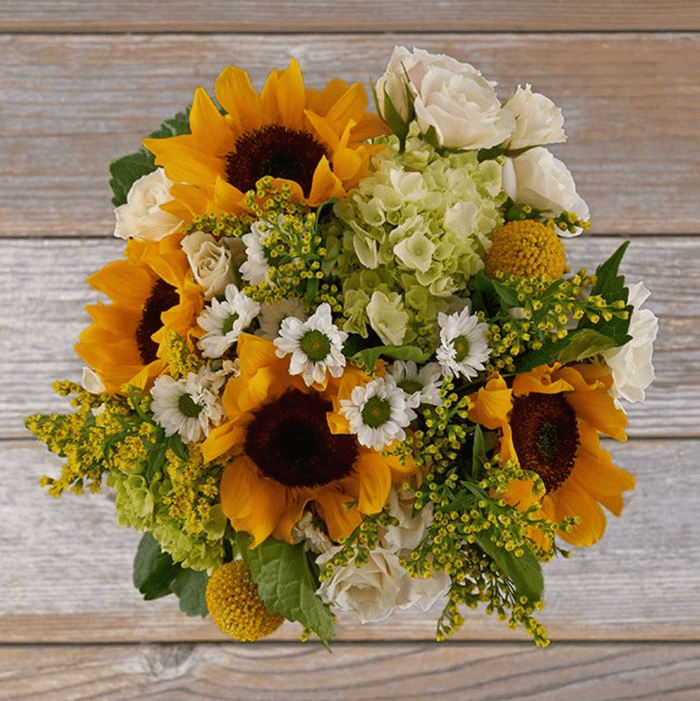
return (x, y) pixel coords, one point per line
(188, 406)
(272, 315)
(316, 345)
(224, 321)
(379, 412)
(463, 348)
(255, 268)
(425, 383)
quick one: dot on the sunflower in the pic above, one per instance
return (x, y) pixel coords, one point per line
(151, 293)
(549, 421)
(287, 445)
(313, 140)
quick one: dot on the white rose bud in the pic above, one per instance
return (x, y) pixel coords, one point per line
(455, 100)
(539, 179)
(212, 260)
(538, 120)
(142, 218)
(393, 85)
(631, 364)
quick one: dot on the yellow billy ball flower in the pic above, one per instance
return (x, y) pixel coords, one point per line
(236, 607)
(525, 248)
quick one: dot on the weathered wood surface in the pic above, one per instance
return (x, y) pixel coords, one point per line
(401, 672)
(43, 289)
(288, 16)
(71, 103)
(70, 578)
(82, 82)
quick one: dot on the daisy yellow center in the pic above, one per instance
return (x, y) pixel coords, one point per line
(228, 324)
(376, 412)
(235, 605)
(276, 151)
(188, 407)
(163, 296)
(545, 436)
(410, 386)
(461, 346)
(526, 248)
(315, 344)
(289, 440)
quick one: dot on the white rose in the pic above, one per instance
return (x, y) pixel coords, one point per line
(212, 260)
(374, 590)
(453, 98)
(538, 120)
(410, 530)
(631, 364)
(539, 179)
(393, 84)
(142, 218)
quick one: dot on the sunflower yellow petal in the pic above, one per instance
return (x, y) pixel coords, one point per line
(572, 500)
(209, 127)
(236, 94)
(374, 480)
(340, 519)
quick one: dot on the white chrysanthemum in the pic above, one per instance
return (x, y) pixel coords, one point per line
(425, 382)
(631, 364)
(188, 406)
(316, 345)
(379, 412)
(255, 268)
(224, 321)
(463, 346)
(272, 315)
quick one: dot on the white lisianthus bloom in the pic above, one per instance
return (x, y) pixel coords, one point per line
(631, 364)
(463, 346)
(378, 412)
(451, 97)
(255, 268)
(188, 406)
(410, 529)
(224, 321)
(425, 382)
(212, 260)
(378, 587)
(539, 179)
(142, 218)
(538, 120)
(316, 346)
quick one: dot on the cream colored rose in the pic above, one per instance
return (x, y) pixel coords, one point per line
(213, 261)
(409, 531)
(631, 364)
(538, 120)
(539, 179)
(142, 218)
(453, 98)
(374, 590)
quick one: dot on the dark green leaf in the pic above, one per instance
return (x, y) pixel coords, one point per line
(525, 572)
(190, 586)
(175, 444)
(286, 584)
(126, 171)
(584, 343)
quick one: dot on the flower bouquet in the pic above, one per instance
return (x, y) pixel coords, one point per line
(344, 365)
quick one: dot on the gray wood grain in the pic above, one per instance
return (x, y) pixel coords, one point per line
(43, 290)
(376, 672)
(67, 576)
(351, 15)
(71, 103)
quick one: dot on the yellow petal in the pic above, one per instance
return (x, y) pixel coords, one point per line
(222, 439)
(210, 130)
(340, 520)
(374, 482)
(491, 405)
(236, 94)
(572, 500)
(540, 380)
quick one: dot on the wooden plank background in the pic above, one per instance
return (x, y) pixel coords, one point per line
(82, 82)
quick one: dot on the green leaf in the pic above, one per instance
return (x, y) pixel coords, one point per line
(584, 343)
(370, 356)
(190, 586)
(491, 296)
(525, 572)
(286, 584)
(156, 575)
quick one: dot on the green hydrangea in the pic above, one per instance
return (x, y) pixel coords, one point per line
(409, 238)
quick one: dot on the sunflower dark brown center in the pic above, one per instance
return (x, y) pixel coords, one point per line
(163, 296)
(289, 440)
(545, 436)
(277, 151)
